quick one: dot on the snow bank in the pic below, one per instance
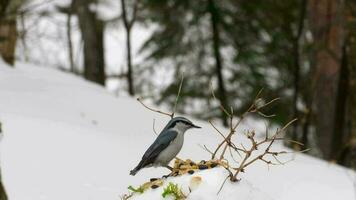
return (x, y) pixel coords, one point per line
(65, 138)
(209, 187)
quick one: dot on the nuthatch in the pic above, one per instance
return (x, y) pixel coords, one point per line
(166, 146)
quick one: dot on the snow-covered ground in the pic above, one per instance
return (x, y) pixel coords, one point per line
(67, 139)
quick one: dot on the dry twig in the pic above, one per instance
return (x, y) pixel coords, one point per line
(171, 115)
(249, 155)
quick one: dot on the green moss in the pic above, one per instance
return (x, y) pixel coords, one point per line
(136, 190)
(173, 190)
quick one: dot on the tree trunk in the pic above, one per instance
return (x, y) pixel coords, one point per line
(8, 37)
(3, 195)
(348, 154)
(129, 65)
(92, 33)
(328, 33)
(348, 157)
(214, 17)
(338, 139)
(296, 47)
(3, 6)
(69, 38)
(128, 25)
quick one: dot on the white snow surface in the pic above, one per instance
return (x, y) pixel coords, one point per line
(67, 139)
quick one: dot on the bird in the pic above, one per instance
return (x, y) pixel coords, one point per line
(166, 146)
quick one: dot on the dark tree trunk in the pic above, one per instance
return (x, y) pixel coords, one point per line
(328, 31)
(3, 195)
(348, 156)
(8, 34)
(3, 6)
(8, 37)
(128, 23)
(296, 47)
(338, 139)
(129, 65)
(69, 38)
(218, 61)
(92, 34)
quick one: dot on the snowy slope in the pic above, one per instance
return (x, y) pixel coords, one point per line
(65, 138)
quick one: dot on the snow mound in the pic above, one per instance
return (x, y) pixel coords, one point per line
(208, 189)
(68, 139)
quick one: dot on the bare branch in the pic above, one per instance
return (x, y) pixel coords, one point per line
(154, 110)
(178, 94)
(220, 105)
(266, 116)
(171, 115)
(244, 153)
(153, 127)
(205, 148)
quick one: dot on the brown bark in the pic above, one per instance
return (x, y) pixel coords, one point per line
(338, 139)
(216, 43)
(92, 34)
(328, 33)
(8, 37)
(3, 6)
(348, 154)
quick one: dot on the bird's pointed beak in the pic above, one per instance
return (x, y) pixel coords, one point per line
(195, 126)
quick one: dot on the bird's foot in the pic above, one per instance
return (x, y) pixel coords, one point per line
(166, 176)
(170, 168)
(170, 174)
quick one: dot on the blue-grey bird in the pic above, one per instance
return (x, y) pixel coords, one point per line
(166, 146)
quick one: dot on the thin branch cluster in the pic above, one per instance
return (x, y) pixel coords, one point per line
(256, 151)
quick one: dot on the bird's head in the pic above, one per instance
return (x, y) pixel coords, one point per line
(180, 124)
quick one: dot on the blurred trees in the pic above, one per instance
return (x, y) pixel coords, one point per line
(239, 46)
(243, 46)
(92, 31)
(215, 20)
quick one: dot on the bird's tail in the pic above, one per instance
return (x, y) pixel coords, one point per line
(136, 169)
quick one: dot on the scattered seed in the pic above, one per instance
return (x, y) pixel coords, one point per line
(154, 186)
(213, 165)
(202, 167)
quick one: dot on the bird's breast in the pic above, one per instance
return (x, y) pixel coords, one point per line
(171, 151)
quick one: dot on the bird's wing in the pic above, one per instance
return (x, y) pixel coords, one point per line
(162, 142)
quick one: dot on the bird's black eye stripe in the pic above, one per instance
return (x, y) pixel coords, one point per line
(187, 123)
(182, 121)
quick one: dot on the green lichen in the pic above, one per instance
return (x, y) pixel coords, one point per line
(136, 190)
(173, 190)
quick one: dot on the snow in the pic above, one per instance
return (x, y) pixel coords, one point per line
(66, 138)
(209, 188)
